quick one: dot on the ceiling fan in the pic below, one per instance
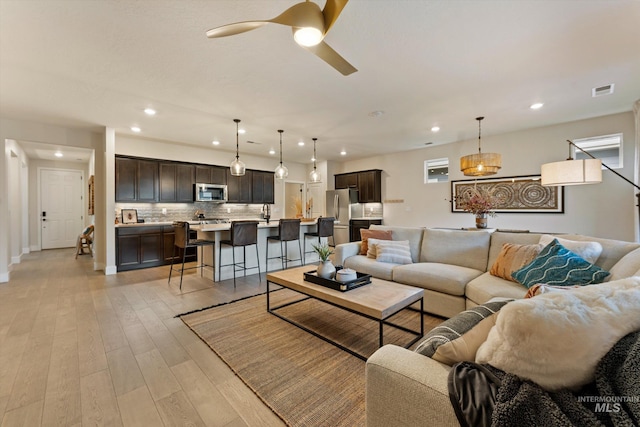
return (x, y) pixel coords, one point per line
(309, 25)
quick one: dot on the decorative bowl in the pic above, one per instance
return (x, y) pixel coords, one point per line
(346, 274)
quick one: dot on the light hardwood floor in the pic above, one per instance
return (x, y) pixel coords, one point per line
(80, 348)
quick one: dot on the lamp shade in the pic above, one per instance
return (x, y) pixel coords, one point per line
(572, 172)
(481, 164)
(237, 167)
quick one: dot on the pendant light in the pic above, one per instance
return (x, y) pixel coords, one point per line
(281, 171)
(314, 176)
(480, 164)
(237, 166)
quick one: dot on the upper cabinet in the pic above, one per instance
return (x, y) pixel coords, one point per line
(240, 188)
(136, 180)
(262, 191)
(211, 174)
(148, 180)
(176, 182)
(368, 183)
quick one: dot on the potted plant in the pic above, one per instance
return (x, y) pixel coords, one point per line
(326, 268)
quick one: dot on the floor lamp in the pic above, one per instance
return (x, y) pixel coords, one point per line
(578, 172)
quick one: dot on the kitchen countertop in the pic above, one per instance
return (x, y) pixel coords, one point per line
(195, 225)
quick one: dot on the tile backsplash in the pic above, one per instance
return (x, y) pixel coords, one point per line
(153, 212)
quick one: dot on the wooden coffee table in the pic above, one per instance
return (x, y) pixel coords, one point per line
(378, 301)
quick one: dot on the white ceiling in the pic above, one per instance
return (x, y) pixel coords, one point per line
(91, 64)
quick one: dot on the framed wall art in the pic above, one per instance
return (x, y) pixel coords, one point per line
(520, 194)
(91, 196)
(129, 216)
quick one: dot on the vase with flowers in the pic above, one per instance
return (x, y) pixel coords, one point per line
(480, 201)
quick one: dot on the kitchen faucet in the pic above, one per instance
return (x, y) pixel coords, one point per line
(266, 212)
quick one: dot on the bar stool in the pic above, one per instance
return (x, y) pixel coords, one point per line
(288, 230)
(243, 233)
(325, 229)
(182, 241)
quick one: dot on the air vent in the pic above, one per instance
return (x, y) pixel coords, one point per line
(602, 90)
(252, 142)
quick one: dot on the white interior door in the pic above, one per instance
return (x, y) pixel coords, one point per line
(61, 218)
(315, 197)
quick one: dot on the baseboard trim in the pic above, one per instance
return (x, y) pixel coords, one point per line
(16, 259)
(112, 269)
(4, 277)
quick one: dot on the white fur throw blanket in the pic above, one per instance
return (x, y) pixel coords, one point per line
(557, 339)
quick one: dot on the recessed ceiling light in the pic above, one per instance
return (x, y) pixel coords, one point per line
(376, 113)
(241, 131)
(343, 153)
(435, 129)
(313, 159)
(272, 151)
(58, 154)
(150, 111)
(135, 128)
(215, 142)
(301, 143)
(536, 106)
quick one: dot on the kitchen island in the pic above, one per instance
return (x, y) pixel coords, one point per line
(218, 232)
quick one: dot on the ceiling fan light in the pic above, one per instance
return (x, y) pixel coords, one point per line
(307, 36)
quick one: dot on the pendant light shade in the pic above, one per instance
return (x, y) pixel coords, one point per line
(237, 166)
(314, 176)
(480, 164)
(281, 171)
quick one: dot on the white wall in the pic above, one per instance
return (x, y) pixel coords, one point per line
(603, 210)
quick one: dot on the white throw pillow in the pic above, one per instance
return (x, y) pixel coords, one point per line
(627, 266)
(556, 339)
(394, 251)
(371, 247)
(589, 251)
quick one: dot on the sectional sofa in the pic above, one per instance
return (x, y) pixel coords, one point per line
(405, 388)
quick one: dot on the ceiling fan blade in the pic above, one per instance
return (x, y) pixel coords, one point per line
(331, 57)
(235, 28)
(331, 11)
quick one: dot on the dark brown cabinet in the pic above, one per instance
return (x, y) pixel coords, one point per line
(176, 182)
(368, 183)
(139, 247)
(262, 191)
(136, 180)
(211, 174)
(370, 186)
(240, 188)
(355, 225)
(346, 180)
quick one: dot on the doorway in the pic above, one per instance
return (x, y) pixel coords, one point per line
(61, 213)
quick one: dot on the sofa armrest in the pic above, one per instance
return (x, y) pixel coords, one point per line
(407, 389)
(346, 250)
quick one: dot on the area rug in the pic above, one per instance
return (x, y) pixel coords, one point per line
(303, 379)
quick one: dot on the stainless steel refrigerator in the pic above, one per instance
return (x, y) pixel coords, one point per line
(342, 205)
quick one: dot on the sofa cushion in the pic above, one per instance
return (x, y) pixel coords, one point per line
(457, 247)
(458, 338)
(499, 238)
(589, 251)
(484, 287)
(512, 258)
(362, 264)
(412, 234)
(627, 266)
(394, 251)
(366, 234)
(445, 278)
(557, 265)
(573, 331)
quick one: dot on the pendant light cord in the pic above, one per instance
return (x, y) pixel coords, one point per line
(479, 119)
(314, 152)
(237, 139)
(280, 130)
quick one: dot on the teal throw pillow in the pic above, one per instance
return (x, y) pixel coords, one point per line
(557, 265)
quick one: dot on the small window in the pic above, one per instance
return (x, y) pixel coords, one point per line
(436, 170)
(607, 148)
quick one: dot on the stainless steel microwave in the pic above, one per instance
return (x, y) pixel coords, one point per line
(210, 193)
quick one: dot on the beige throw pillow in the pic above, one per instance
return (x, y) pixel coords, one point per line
(393, 251)
(512, 258)
(365, 234)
